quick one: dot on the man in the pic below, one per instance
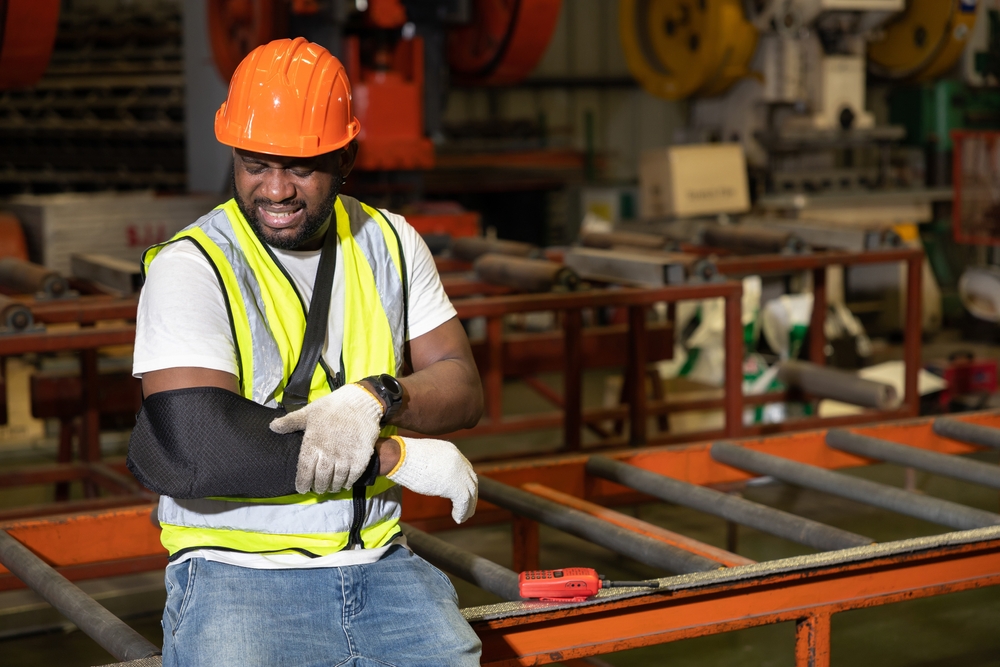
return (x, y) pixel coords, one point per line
(290, 295)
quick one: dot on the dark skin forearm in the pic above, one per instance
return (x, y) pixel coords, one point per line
(445, 393)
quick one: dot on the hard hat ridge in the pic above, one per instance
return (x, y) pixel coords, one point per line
(289, 97)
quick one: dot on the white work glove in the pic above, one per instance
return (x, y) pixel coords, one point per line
(340, 432)
(437, 468)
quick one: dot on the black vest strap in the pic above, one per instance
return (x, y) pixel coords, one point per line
(296, 394)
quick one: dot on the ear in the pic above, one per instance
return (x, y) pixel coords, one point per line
(346, 157)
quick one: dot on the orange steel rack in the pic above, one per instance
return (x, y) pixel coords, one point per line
(717, 592)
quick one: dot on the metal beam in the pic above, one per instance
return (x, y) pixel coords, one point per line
(939, 464)
(464, 564)
(98, 623)
(732, 508)
(943, 512)
(641, 548)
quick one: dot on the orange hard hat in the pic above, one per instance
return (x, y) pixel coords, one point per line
(289, 97)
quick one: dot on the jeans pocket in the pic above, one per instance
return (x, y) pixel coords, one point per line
(441, 575)
(179, 580)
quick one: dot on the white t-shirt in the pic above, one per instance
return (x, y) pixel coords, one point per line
(182, 321)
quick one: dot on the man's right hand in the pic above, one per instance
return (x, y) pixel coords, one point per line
(340, 432)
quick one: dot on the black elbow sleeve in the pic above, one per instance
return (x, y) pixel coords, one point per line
(204, 441)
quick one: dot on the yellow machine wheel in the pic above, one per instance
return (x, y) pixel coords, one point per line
(923, 42)
(686, 48)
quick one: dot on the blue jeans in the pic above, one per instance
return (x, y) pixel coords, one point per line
(400, 611)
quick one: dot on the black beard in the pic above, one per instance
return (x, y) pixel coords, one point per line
(313, 224)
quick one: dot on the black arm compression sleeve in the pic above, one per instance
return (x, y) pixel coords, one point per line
(205, 441)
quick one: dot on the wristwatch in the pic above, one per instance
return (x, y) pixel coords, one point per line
(389, 391)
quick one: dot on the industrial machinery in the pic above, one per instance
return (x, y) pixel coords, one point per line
(399, 57)
(799, 68)
(922, 544)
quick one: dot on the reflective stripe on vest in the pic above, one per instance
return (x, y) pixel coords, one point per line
(267, 316)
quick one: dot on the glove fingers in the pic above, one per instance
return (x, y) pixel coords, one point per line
(464, 504)
(356, 468)
(294, 421)
(304, 472)
(339, 478)
(323, 480)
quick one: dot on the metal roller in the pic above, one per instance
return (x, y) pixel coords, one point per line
(14, 315)
(838, 385)
(24, 277)
(935, 510)
(639, 547)
(974, 434)
(101, 625)
(922, 42)
(732, 508)
(472, 568)
(608, 240)
(527, 275)
(749, 241)
(933, 462)
(471, 248)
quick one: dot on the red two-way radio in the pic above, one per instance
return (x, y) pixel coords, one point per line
(570, 584)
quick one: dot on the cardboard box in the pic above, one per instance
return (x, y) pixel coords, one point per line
(121, 225)
(699, 179)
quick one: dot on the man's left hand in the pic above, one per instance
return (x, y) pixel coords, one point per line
(340, 432)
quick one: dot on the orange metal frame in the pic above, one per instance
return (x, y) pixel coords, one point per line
(807, 590)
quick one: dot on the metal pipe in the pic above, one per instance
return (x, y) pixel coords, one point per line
(639, 547)
(975, 434)
(472, 568)
(529, 275)
(14, 314)
(732, 508)
(27, 278)
(939, 511)
(934, 462)
(98, 623)
(838, 385)
(470, 248)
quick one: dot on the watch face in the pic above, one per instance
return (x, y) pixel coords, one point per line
(392, 386)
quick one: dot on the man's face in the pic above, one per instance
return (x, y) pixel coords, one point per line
(287, 200)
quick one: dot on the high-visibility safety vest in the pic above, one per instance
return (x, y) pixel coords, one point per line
(268, 319)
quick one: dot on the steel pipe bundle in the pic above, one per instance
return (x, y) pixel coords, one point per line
(14, 315)
(470, 248)
(732, 508)
(939, 464)
(475, 569)
(943, 512)
(23, 277)
(974, 434)
(838, 385)
(750, 241)
(527, 275)
(98, 623)
(639, 547)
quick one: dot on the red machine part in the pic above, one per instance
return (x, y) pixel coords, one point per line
(12, 241)
(388, 100)
(27, 35)
(386, 14)
(504, 42)
(237, 27)
(976, 178)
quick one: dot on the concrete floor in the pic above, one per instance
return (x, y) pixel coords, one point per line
(957, 629)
